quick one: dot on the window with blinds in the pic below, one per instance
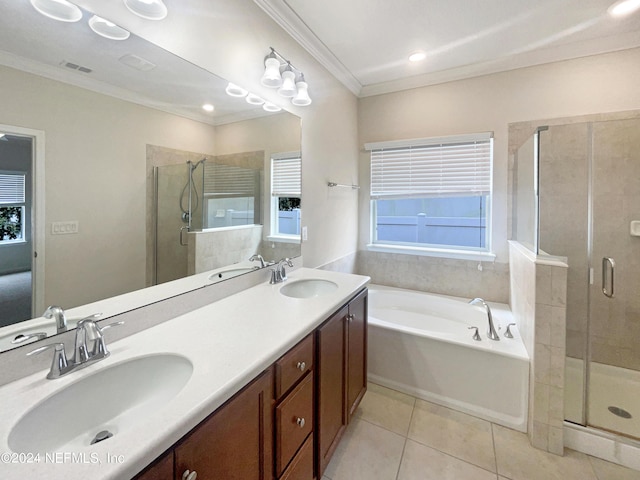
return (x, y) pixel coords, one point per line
(286, 190)
(432, 193)
(12, 205)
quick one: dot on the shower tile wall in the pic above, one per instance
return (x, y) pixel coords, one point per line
(220, 248)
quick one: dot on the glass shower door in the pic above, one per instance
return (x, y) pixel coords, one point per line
(614, 295)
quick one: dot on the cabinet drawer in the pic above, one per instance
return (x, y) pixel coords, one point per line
(293, 365)
(294, 422)
(301, 467)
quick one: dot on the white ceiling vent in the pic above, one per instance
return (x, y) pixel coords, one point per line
(137, 62)
(75, 66)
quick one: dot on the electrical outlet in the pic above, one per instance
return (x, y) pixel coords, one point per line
(64, 228)
(304, 234)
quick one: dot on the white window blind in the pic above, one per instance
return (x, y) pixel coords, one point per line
(448, 166)
(221, 180)
(286, 177)
(12, 188)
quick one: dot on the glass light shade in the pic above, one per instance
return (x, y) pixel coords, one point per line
(149, 9)
(207, 107)
(302, 98)
(235, 91)
(288, 88)
(107, 29)
(270, 107)
(417, 56)
(271, 77)
(253, 99)
(58, 10)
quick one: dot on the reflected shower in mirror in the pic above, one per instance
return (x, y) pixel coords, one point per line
(110, 112)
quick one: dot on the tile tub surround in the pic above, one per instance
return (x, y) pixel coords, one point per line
(538, 302)
(237, 338)
(459, 278)
(387, 441)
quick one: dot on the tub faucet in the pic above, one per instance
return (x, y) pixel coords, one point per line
(259, 258)
(491, 333)
(57, 313)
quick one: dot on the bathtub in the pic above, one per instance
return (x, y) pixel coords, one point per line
(420, 344)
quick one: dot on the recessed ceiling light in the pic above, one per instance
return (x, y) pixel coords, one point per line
(270, 107)
(107, 29)
(207, 107)
(253, 99)
(417, 56)
(58, 10)
(623, 7)
(235, 91)
(149, 9)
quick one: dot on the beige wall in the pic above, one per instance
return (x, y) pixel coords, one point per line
(602, 83)
(95, 173)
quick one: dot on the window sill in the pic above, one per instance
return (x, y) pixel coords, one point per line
(284, 238)
(433, 252)
(9, 243)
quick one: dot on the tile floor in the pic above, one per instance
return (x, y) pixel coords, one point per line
(398, 437)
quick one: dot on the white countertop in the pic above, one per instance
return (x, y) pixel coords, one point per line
(229, 343)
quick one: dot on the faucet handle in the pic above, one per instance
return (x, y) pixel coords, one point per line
(508, 333)
(476, 334)
(59, 364)
(99, 345)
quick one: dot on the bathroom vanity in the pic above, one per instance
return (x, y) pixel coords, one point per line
(292, 413)
(258, 385)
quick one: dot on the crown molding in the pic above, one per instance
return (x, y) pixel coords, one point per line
(284, 16)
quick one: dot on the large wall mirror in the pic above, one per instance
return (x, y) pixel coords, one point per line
(119, 180)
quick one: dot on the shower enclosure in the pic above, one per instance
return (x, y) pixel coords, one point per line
(195, 197)
(580, 184)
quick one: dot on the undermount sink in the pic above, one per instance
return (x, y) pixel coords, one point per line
(101, 405)
(308, 288)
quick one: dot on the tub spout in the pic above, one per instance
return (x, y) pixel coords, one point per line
(491, 333)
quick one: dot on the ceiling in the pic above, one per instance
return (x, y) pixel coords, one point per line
(34, 43)
(366, 43)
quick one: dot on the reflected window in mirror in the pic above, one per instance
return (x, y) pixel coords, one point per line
(12, 205)
(285, 196)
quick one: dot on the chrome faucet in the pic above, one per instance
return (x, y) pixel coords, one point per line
(259, 258)
(57, 313)
(89, 347)
(279, 274)
(491, 332)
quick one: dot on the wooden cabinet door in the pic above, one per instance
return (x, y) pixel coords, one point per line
(331, 391)
(161, 469)
(356, 352)
(236, 442)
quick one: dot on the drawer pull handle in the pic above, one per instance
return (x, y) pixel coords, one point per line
(187, 475)
(300, 421)
(302, 366)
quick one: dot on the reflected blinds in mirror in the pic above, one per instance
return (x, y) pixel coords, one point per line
(285, 176)
(229, 180)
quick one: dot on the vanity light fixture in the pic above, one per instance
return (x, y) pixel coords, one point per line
(207, 107)
(281, 74)
(623, 7)
(107, 29)
(149, 9)
(235, 91)
(60, 10)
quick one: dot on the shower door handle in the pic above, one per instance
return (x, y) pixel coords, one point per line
(608, 264)
(186, 227)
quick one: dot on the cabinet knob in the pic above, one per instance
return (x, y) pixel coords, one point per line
(300, 421)
(350, 317)
(188, 475)
(302, 366)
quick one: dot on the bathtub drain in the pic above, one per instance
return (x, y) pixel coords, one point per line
(100, 436)
(620, 412)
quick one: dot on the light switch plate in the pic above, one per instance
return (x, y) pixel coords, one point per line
(64, 228)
